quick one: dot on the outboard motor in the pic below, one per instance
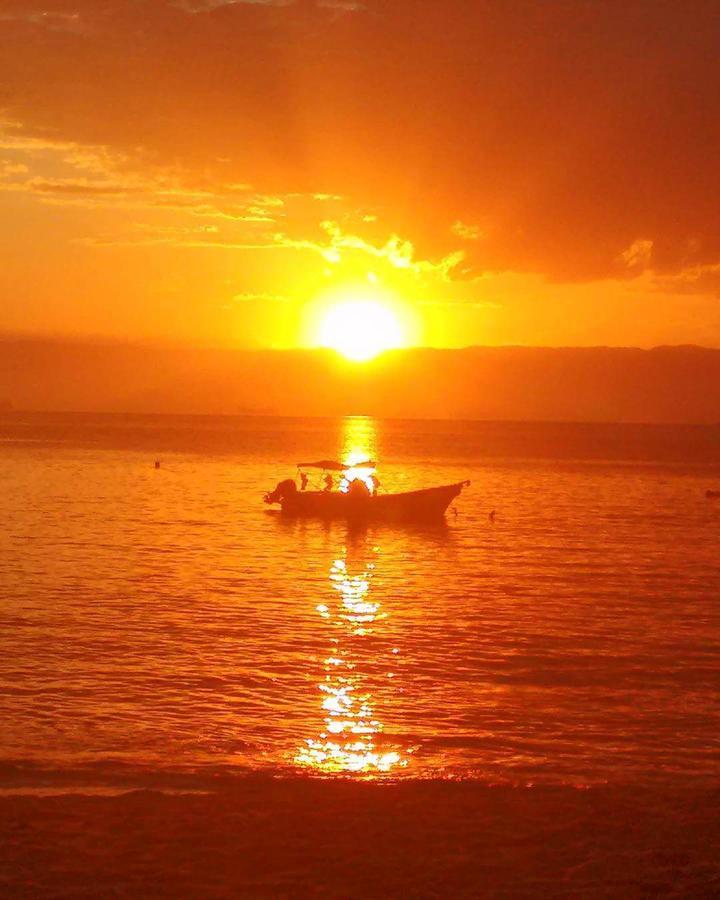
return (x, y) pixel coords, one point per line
(284, 489)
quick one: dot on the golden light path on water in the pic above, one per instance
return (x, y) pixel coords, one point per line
(359, 445)
(348, 739)
(162, 622)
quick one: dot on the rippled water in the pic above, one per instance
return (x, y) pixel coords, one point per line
(165, 621)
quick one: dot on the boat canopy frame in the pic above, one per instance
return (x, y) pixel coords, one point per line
(331, 465)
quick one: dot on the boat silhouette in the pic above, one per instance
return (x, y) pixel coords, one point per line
(359, 502)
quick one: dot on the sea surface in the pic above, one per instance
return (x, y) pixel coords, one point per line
(162, 626)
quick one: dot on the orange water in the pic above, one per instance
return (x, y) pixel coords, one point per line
(165, 622)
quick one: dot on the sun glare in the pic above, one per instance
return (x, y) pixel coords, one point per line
(360, 329)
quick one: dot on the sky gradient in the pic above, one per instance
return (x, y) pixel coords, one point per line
(219, 172)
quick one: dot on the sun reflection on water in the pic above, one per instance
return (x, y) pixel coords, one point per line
(359, 445)
(349, 740)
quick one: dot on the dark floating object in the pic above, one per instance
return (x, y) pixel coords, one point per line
(427, 505)
(157, 463)
(712, 495)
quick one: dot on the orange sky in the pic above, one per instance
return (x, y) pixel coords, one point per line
(506, 172)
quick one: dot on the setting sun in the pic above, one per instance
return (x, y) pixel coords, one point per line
(360, 329)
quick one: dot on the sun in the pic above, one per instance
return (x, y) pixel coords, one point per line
(360, 329)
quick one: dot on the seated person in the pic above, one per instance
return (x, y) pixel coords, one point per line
(358, 488)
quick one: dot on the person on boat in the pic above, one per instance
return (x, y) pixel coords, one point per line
(328, 482)
(303, 481)
(375, 481)
(358, 488)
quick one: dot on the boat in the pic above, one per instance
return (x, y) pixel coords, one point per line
(358, 502)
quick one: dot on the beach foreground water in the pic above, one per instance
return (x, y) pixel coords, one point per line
(199, 698)
(278, 838)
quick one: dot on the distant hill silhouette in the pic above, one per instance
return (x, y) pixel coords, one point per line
(666, 384)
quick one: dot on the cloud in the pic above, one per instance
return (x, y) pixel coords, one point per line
(397, 252)
(77, 187)
(638, 255)
(9, 167)
(53, 21)
(693, 280)
(466, 232)
(342, 5)
(470, 112)
(99, 177)
(202, 6)
(12, 137)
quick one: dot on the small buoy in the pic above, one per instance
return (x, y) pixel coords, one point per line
(491, 517)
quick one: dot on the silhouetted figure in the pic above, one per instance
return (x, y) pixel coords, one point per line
(358, 488)
(375, 481)
(328, 482)
(491, 517)
(157, 463)
(303, 481)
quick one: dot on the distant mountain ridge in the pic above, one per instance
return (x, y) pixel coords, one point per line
(596, 384)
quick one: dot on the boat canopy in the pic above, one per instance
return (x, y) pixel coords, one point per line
(334, 466)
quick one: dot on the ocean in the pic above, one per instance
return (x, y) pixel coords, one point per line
(162, 627)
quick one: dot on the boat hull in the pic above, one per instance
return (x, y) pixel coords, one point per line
(429, 504)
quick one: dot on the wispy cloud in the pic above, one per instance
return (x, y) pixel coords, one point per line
(202, 6)
(342, 5)
(234, 215)
(638, 255)
(98, 177)
(53, 21)
(75, 187)
(702, 279)
(9, 167)
(466, 232)
(397, 252)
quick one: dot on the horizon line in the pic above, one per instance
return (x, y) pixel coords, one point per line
(276, 415)
(148, 343)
